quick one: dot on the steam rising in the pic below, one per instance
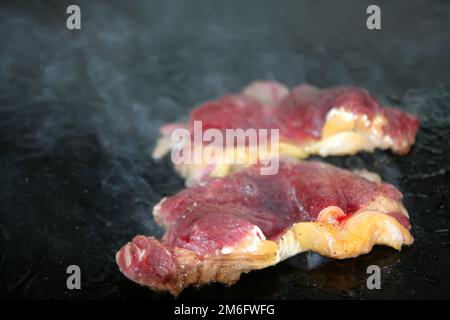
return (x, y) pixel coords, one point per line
(80, 110)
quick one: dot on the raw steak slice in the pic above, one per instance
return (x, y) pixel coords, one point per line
(221, 228)
(333, 121)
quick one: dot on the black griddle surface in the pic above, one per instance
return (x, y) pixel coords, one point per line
(80, 111)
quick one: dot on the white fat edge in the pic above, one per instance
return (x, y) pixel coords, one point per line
(404, 211)
(127, 256)
(347, 115)
(369, 175)
(163, 146)
(288, 245)
(390, 230)
(140, 254)
(387, 141)
(342, 143)
(381, 142)
(252, 241)
(157, 208)
(395, 232)
(374, 139)
(266, 92)
(385, 205)
(391, 233)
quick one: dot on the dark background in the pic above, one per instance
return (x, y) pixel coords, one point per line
(80, 111)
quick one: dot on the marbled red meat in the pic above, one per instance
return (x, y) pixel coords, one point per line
(204, 220)
(310, 121)
(300, 114)
(303, 113)
(297, 193)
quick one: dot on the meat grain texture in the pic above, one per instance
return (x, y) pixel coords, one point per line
(221, 228)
